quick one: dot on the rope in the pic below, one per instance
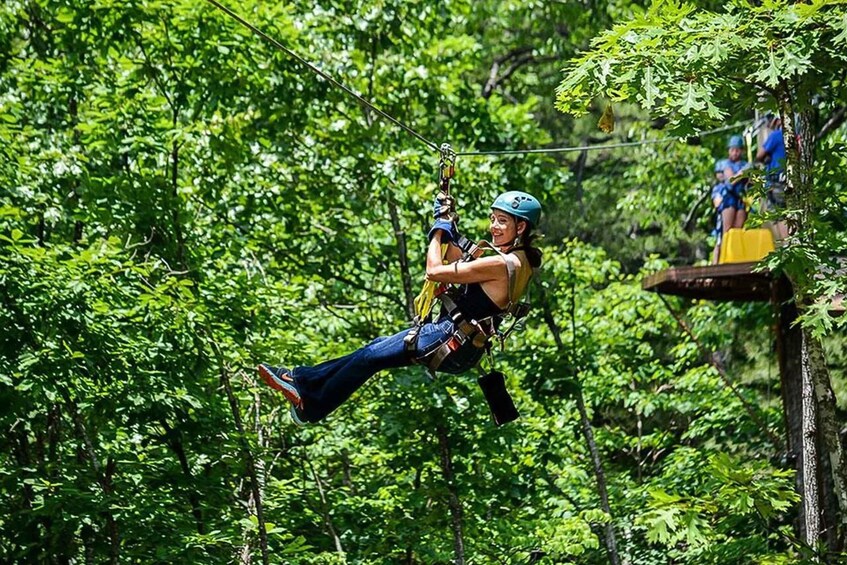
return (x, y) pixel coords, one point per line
(715, 362)
(593, 147)
(363, 101)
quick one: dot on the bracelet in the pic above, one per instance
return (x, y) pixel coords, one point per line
(456, 267)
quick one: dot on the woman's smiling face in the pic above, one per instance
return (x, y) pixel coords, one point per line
(504, 228)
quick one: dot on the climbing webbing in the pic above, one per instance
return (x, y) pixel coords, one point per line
(425, 299)
(447, 169)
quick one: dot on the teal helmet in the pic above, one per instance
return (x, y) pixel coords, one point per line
(735, 141)
(519, 204)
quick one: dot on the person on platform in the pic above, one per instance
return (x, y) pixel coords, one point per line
(728, 192)
(772, 154)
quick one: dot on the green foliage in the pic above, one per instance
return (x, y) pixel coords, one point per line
(179, 201)
(684, 62)
(694, 525)
(691, 65)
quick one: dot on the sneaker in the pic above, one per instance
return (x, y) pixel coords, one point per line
(279, 378)
(296, 416)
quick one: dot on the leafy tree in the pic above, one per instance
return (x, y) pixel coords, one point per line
(178, 201)
(688, 64)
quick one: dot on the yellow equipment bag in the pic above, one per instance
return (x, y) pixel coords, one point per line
(745, 246)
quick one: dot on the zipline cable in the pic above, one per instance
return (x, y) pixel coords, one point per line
(363, 101)
(593, 147)
(368, 104)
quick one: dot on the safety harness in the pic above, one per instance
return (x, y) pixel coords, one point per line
(477, 332)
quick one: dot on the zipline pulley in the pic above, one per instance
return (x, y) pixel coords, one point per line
(447, 166)
(446, 209)
(447, 169)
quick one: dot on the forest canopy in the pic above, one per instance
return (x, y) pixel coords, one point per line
(180, 200)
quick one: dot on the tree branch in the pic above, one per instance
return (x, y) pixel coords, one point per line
(688, 223)
(520, 55)
(173, 438)
(104, 478)
(246, 452)
(834, 122)
(325, 510)
(454, 503)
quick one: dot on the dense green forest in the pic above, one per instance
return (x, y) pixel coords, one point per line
(180, 200)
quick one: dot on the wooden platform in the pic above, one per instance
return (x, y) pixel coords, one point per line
(732, 281)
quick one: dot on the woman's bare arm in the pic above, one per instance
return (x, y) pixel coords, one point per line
(480, 270)
(453, 253)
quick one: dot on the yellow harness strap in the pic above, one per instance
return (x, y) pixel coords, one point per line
(424, 300)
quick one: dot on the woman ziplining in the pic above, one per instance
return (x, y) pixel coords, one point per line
(484, 292)
(457, 340)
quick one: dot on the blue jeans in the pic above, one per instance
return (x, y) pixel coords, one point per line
(325, 387)
(732, 196)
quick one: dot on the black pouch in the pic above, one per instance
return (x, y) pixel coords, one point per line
(493, 387)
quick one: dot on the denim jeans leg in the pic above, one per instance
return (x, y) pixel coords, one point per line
(326, 386)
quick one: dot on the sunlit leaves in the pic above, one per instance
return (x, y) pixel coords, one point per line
(739, 490)
(706, 55)
(181, 201)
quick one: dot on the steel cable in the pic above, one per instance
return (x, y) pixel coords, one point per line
(363, 101)
(592, 147)
(368, 104)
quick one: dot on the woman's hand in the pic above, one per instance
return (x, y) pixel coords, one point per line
(446, 228)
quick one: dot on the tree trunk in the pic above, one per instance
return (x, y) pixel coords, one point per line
(809, 453)
(403, 257)
(103, 476)
(789, 346)
(600, 476)
(75, 195)
(255, 490)
(588, 433)
(174, 441)
(830, 436)
(800, 194)
(453, 501)
(326, 510)
(175, 215)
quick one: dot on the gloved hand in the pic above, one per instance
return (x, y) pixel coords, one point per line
(449, 228)
(443, 206)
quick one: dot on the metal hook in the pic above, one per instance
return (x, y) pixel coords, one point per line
(447, 163)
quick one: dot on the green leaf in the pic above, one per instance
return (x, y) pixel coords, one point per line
(65, 15)
(650, 90)
(691, 100)
(770, 74)
(842, 25)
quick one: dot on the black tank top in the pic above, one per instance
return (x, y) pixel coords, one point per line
(474, 304)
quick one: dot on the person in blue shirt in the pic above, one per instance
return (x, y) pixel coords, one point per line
(772, 154)
(728, 192)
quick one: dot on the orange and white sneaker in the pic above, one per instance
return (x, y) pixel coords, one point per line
(279, 378)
